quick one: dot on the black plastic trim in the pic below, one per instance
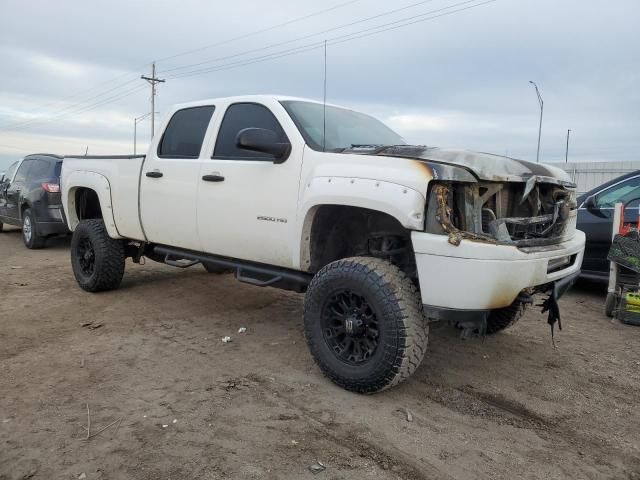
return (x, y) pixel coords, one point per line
(454, 314)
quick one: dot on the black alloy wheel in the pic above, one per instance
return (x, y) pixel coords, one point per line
(350, 327)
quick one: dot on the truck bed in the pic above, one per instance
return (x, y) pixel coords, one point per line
(122, 174)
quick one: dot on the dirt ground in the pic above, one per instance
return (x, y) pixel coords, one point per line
(186, 405)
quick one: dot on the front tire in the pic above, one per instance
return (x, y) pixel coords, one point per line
(97, 259)
(30, 235)
(502, 318)
(364, 324)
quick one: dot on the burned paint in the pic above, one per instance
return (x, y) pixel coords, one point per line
(482, 166)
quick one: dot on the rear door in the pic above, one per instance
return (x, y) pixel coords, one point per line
(249, 209)
(169, 182)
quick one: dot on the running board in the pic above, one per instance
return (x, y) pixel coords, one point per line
(248, 272)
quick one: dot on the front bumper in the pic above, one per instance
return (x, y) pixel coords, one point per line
(482, 276)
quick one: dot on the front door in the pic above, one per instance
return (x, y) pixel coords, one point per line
(16, 191)
(4, 189)
(598, 225)
(169, 182)
(247, 203)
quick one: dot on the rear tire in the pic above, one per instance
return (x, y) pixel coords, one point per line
(364, 324)
(30, 235)
(1, 226)
(502, 318)
(97, 259)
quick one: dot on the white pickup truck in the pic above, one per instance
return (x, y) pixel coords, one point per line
(383, 237)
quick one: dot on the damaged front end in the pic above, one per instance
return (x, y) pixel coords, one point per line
(534, 213)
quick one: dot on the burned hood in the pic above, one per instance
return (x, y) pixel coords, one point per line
(483, 166)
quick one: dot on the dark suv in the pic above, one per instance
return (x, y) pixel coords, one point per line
(30, 198)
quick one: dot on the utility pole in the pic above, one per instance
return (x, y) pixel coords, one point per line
(541, 102)
(566, 154)
(153, 81)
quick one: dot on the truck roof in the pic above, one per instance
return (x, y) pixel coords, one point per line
(245, 98)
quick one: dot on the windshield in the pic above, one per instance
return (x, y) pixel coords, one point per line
(345, 128)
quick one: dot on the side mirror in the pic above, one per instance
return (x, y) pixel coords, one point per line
(592, 207)
(265, 141)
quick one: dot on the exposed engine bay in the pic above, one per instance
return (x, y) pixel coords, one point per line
(523, 214)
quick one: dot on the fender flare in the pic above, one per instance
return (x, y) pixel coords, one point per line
(99, 184)
(402, 203)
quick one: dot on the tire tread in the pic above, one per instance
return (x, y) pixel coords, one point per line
(402, 306)
(110, 268)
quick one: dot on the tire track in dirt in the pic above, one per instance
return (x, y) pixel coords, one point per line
(386, 456)
(469, 401)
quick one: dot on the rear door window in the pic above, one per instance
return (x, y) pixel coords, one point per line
(238, 117)
(39, 170)
(185, 133)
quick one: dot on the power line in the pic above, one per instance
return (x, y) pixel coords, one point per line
(223, 42)
(70, 107)
(292, 51)
(304, 37)
(82, 92)
(256, 32)
(83, 109)
(340, 39)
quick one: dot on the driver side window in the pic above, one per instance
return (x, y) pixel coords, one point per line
(623, 192)
(238, 117)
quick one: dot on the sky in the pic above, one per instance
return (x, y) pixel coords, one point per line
(447, 73)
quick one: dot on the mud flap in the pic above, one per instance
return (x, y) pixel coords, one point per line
(557, 289)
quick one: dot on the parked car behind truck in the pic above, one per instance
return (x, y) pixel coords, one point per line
(30, 198)
(383, 237)
(595, 219)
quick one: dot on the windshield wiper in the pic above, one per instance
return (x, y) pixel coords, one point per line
(371, 146)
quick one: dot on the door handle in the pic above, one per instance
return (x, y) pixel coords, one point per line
(154, 174)
(213, 178)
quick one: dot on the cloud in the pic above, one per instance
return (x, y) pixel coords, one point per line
(459, 80)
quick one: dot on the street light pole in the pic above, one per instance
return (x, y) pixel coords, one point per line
(541, 102)
(566, 154)
(137, 120)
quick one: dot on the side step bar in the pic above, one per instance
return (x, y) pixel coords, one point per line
(248, 272)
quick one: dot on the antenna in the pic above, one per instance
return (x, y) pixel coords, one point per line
(324, 102)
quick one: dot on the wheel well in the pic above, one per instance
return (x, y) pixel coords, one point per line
(87, 204)
(341, 231)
